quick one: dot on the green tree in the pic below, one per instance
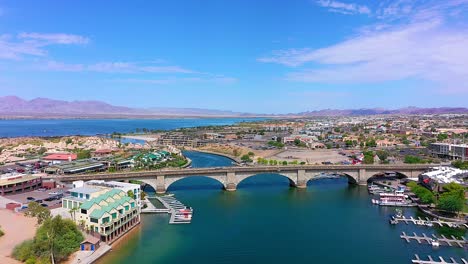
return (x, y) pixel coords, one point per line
(368, 157)
(131, 194)
(424, 195)
(251, 153)
(55, 240)
(442, 137)
(68, 141)
(246, 158)
(382, 154)
(38, 211)
(83, 154)
(410, 159)
(463, 165)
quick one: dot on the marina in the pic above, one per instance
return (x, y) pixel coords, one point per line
(179, 213)
(435, 241)
(441, 260)
(426, 222)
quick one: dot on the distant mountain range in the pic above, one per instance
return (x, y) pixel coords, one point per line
(13, 106)
(380, 111)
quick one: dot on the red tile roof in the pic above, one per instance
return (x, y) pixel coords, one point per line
(60, 156)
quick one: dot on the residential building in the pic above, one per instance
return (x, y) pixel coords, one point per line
(104, 212)
(449, 151)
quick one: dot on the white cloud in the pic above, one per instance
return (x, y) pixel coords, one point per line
(429, 50)
(344, 8)
(54, 38)
(174, 80)
(115, 67)
(34, 44)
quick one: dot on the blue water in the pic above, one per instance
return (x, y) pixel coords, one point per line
(86, 127)
(266, 221)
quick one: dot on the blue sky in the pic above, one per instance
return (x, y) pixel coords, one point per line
(254, 56)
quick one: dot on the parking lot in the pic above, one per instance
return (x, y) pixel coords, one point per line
(39, 196)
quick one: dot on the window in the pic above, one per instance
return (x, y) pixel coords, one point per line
(70, 204)
(93, 220)
(120, 211)
(87, 196)
(83, 211)
(74, 194)
(64, 204)
(105, 220)
(127, 208)
(81, 195)
(132, 204)
(114, 215)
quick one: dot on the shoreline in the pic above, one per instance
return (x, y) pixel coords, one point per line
(235, 159)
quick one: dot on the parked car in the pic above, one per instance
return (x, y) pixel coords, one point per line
(30, 198)
(44, 205)
(38, 201)
(55, 193)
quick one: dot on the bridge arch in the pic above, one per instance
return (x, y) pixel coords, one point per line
(385, 175)
(217, 180)
(327, 175)
(290, 177)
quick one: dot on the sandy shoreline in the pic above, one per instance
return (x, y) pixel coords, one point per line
(17, 228)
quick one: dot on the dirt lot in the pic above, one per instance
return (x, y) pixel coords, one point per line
(17, 228)
(311, 156)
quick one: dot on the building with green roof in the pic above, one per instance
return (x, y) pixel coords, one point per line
(107, 214)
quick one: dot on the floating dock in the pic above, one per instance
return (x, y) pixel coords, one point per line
(180, 214)
(443, 241)
(441, 260)
(421, 222)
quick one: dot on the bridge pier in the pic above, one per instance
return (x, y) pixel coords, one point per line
(231, 181)
(301, 179)
(160, 185)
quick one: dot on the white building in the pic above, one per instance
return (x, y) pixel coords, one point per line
(135, 188)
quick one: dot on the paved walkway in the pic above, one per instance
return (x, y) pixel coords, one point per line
(87, 257)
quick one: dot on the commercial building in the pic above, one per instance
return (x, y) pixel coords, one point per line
(449, 151)
(11, 183)
(60, 157)
(74, 167)
(104, 213)
(437, 177)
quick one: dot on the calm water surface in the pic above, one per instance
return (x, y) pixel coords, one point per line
(265, 221)
(65, 127)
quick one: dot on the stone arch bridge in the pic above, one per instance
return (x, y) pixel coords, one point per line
(229, 177)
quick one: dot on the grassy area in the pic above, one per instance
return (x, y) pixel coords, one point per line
(1, 232)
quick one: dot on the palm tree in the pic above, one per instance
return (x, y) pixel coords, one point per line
(73, 212)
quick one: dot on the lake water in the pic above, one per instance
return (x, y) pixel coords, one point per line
(86, 127)
(266, 221)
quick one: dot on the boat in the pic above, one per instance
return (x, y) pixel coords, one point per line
(393, 220)
(428, 223)
(435, 242)
(398, 213)
(392, 199)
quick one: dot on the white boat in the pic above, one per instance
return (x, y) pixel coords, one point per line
(428, 223)
(392, 199)
(435, 243)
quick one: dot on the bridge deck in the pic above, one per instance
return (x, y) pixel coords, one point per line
(245, 169)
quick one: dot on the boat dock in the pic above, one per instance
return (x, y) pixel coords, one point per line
(151, 209)
(420, 221)
(451, 242)
(180, 214)
(441, 260)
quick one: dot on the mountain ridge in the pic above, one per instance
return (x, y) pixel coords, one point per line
(16, 106)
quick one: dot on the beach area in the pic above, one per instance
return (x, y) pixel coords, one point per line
(17, 228)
